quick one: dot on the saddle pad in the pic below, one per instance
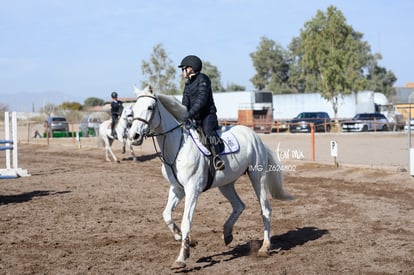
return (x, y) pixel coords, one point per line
(231, 145)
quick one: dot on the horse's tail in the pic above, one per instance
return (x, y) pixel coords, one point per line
(274, 178)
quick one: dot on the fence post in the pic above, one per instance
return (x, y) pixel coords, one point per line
(313, 141)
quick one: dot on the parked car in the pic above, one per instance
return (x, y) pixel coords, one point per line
(280, 126)
(302, 122)
(90, 126)
(411, 126)
(366, 122)
(56, 124)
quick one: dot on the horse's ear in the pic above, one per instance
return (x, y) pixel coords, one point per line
(150, 89)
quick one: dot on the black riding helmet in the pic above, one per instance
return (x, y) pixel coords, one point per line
(114, 95)
(193, 62)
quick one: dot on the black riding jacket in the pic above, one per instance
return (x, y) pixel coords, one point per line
(198, 97)
(116, 107)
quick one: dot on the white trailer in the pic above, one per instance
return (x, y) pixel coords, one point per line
(289, 105)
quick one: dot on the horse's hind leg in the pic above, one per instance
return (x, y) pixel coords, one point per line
(259, 185)
(108, 150)
(107, 155)
(113, 155)
(175, 195)
(238, 206)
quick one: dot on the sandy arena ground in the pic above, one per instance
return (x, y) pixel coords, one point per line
(77, 214)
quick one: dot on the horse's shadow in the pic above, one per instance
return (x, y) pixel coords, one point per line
(25, 197)
(141, 158)
(286, 241)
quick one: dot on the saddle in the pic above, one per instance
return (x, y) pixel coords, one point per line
(229, 142)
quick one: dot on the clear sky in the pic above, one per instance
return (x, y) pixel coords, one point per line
(89, 48)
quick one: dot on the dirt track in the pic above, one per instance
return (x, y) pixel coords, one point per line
(77, 214)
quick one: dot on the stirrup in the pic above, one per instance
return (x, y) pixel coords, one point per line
(218, 163)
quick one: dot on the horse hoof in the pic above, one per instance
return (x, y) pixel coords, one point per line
(178, 265)
(228, 239)
(263, 253)
(193, 243)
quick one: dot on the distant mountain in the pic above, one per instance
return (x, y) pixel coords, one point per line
(32, 102)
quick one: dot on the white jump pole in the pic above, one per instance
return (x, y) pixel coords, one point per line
(7, 138)
(11, 172)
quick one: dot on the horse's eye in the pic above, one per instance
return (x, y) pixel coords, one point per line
(151, 108)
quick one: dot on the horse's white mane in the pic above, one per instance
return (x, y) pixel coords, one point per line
(171, 103)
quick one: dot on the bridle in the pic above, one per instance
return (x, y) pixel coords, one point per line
(148, 122)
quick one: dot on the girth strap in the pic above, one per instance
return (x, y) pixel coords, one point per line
(211, 173)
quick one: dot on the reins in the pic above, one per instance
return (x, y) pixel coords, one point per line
(153, 135)
(166, 132)
(161, 154)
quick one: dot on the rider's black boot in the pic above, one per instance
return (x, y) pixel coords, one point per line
(114, 135)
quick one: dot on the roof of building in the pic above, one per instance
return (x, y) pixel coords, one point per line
(403, 95)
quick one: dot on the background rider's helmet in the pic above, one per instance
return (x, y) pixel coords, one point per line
(193, 62)
(114, 95)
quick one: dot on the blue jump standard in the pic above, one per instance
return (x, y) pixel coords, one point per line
(7, 177)
(2, 148)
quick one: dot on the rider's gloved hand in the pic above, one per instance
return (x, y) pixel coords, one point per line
(185, 117)
(187, 121)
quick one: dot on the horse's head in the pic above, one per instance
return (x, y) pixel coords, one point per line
(145, 118)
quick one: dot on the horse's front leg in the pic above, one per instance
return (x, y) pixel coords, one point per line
(123, 145)
(191, 197)
(134, 157)
(175, 196)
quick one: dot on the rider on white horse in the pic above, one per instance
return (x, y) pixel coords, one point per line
(187, 169)
(198, 98)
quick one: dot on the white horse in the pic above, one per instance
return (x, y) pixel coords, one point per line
(187, 169)
(121, 129)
